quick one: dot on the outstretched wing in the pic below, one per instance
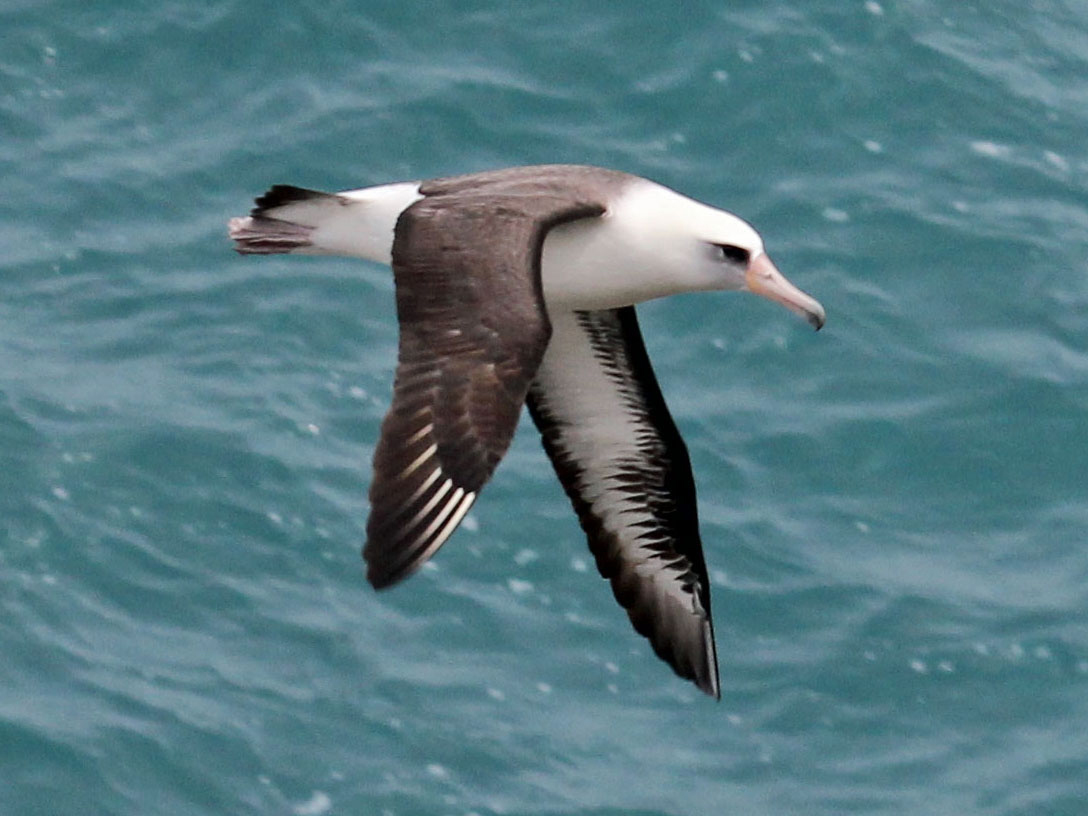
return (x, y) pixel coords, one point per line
(473, 330)
(625, 468)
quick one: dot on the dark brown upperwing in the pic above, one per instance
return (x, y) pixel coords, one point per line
(473, 329)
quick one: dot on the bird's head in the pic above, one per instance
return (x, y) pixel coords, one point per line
(733, 255)
(749, 269)
(697, 246)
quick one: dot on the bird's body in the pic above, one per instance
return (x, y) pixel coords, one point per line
(518, 286)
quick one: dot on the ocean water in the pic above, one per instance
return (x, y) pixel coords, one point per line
(895, 510)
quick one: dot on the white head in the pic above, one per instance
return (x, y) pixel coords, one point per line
(654, 242)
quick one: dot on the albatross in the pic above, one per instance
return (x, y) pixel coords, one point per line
(517, 287)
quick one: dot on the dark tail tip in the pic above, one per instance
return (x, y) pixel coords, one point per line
(281, 194)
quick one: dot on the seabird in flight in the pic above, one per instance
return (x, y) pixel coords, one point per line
(517, 287)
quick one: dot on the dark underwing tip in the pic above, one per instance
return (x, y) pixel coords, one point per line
(712, 689)
(712, 682)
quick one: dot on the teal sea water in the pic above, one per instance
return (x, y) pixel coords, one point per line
(895, 510)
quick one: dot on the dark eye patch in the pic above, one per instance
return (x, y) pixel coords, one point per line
(735, 254)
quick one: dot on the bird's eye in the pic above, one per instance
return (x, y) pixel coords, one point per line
(735, 254)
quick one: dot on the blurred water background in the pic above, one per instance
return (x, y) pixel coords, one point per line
(895, 510)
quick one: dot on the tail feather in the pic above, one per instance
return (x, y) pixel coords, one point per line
(258, 235)
(283, 221)
(280, 195)
(355, 223)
